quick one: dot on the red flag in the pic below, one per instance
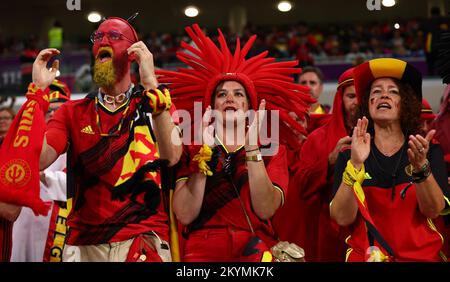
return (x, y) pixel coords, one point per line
(20, 152)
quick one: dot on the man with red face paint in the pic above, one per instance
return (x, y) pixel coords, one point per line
(117, 140)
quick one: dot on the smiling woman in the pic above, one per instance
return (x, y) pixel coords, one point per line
(385, 162)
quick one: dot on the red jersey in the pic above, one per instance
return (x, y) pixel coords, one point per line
(394, 210)
(221, 206)
(100, 155)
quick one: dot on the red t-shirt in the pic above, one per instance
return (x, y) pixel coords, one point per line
(221, 206)
(95, 165)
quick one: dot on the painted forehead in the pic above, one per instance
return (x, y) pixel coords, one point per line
(118, 25)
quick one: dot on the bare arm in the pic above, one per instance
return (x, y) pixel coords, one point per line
(344, 208)
(188, 198)
(168, 137)
(9, 212)
(264, 196)
(48, 155)
(429, 196)
(169, 145)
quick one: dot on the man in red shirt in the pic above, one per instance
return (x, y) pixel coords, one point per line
(117, 139)
(310, 190)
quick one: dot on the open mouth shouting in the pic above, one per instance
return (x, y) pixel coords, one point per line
(384, 105)
(104, 54)
(230, 108)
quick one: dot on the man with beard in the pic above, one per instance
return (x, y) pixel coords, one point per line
(309, 195)
(117, 139)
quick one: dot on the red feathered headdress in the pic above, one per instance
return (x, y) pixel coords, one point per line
(262, 77)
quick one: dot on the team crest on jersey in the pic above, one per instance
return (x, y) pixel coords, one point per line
(16, 172)
(409, 170)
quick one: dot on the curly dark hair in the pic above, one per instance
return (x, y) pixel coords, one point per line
(409, 109)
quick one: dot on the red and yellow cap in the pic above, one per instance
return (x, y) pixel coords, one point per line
(346, 78)
(371, 70)
(426, 113)
(59, 92)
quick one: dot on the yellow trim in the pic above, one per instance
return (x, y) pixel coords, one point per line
(225, 148)
(387, 67)
(443, 256)
(348, 238)
(345, 82)
(173, 231)
(446, 211)
(433, 227)
(181, 179)
(319, 110)
(111, 111)
(282, 194)
(347, 254)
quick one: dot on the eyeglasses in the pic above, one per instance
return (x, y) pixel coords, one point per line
(112, 35)
(5, 118)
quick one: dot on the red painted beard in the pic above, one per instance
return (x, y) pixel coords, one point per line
(109, 68)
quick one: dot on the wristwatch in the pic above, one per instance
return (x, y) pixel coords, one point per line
(254, 158)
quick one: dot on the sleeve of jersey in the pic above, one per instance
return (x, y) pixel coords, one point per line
(182, 170)
(57, 132)
(277, 170)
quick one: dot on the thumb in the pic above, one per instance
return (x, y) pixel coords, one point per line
(430, 135)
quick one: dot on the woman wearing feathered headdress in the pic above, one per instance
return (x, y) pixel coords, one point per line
(226, 190)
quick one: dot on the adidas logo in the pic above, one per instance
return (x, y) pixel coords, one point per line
(87, 130)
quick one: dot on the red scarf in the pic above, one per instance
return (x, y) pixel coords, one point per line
(20, 151)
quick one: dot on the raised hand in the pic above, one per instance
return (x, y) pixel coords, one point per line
(360, 143)
(42, 76)
(340, 145)
(208, 129)
(146, 66)
(418, 149)
(251, 138)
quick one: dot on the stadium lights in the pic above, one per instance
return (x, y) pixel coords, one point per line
(388, 3)
(284, 6)
(396, 26)
(191, 11)
(94, 17)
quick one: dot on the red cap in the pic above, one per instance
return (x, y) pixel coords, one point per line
(426, 112)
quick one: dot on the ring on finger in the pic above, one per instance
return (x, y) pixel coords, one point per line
(421, 149)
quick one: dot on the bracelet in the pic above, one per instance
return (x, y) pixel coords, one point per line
(251, 150)
(422, 174)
